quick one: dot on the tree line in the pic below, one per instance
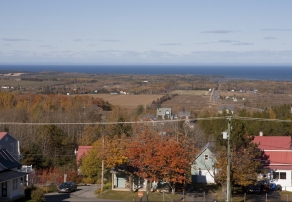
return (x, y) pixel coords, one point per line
(156, 150)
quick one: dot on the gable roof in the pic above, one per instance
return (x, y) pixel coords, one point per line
(3, 134)
(277, 150)
(163, 111)
(10, 174)
(82, 151)
(273, 142)
(204, 148)
(279, 160)
(8, 161)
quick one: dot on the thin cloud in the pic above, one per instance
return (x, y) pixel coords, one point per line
(218, 32)
(204, 43)
(281, 30)
(47, 46)
(110, 40)
(77, 40)
(228, 41)
(14, 39)
(270, 38)
(169, 44)
(243, 44)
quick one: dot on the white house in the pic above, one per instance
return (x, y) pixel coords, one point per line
(10, 178)
(202, 169)
(277, 159)
(164, 113)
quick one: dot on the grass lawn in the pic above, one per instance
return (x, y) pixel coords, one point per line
(128, 196)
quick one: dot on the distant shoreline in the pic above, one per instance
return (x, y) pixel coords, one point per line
(277, 73)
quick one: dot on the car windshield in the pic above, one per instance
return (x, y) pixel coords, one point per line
(64, 185)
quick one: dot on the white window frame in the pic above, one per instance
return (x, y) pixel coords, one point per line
(206, 157)
(279, 174)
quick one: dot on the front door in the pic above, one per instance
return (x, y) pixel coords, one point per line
(4, 189)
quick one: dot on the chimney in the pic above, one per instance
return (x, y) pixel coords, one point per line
(261, 133)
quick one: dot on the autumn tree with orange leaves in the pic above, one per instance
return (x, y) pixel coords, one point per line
(161, 157)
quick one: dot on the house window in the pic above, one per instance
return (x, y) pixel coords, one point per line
(279, 175)
(15, 184)
(206, 157)
(12, 147)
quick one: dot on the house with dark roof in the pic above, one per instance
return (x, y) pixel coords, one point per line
(10, 143)
(183, 115)
(277, 159)
(10, 177)
(203, 170)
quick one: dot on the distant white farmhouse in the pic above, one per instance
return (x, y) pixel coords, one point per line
(164, 113)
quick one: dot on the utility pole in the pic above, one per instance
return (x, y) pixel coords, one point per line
(228, 163)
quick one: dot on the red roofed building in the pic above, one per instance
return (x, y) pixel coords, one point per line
(82, 151)
(273, 142)
(277, 158)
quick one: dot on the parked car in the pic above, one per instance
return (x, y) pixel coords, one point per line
(73, 186)
(65, 187)
(253, 188)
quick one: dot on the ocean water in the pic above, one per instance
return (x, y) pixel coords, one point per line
(280, 73)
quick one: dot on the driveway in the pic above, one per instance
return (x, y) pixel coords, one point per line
(83, 193)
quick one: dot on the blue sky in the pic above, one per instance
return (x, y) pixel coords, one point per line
(146, 32)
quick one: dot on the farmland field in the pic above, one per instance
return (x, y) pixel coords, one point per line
(28, 84)
(191, 92)
(127, 101)
(188, 103)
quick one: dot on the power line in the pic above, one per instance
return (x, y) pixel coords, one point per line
(112, 123)
(151, 122)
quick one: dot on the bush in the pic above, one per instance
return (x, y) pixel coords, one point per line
(28, 191)
(38, 195)
(49, 189)
(73, 176)
(88, 180)
(98, 191)
(107, 186)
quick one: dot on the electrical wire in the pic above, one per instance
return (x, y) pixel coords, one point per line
(145, 122)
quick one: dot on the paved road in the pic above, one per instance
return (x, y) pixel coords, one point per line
(214, 97)
(200, 197)
(83, 193)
